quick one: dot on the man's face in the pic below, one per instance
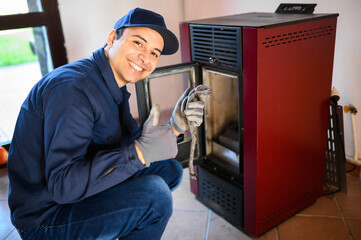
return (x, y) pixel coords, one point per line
(135, 55)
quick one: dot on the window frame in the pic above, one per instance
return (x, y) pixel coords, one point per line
(50, 18)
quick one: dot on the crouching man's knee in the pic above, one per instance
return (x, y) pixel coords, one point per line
(159, 196)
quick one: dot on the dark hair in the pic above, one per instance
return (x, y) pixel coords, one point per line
(119, 33)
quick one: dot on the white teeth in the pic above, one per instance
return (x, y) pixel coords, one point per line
(136, 67)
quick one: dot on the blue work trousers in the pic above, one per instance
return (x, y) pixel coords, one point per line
(137, 209)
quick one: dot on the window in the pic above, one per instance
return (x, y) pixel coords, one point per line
(31, 45)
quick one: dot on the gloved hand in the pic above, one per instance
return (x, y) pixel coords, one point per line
(183, 114)
(157, 142)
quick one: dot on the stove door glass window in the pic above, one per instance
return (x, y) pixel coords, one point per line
(223, 129)
(164, 87)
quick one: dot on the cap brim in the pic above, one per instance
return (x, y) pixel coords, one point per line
(171, 43)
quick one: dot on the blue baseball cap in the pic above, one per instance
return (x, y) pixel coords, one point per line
(139, 17)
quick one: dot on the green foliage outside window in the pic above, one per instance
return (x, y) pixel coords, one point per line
(15, 51)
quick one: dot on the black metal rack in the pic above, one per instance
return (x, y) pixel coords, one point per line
(335, 173)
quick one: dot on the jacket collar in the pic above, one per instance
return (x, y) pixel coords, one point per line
(106, 72)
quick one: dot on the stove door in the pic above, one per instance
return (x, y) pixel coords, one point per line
(164, 87)
(224, 120)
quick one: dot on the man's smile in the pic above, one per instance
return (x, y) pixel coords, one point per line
(135, 66)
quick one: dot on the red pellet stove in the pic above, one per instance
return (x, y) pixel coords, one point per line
(262, 147)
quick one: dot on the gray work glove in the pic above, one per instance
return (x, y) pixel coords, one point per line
(192, 113)
(157, 142)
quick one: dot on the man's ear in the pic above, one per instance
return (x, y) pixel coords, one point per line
(111, 37)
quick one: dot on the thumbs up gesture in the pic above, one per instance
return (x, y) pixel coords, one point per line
(157, 142)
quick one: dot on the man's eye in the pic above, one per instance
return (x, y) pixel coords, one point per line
(155, 54)
(138, 43)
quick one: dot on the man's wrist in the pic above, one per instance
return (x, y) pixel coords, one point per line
(175, 130)
(140, 154)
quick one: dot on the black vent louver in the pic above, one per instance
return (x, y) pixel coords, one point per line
(217, 45)
(294, 37)
(222, 197)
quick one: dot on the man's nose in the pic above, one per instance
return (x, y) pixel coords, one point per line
(145, 57)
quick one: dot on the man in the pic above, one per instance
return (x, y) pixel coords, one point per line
(79, 165)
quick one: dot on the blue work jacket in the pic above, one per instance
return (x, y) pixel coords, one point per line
(73, 128)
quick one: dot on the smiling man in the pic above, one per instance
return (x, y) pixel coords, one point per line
(135, 55)
(79, 165)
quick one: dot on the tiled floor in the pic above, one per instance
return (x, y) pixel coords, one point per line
(335, 217)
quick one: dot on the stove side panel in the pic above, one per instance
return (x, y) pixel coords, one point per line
(290, 107)
(250, 78)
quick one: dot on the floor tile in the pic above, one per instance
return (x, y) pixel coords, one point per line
(352, 179)
(189, 219)
(271, 234)
(186, 225)
(324, 206)
(221, 229)
(313, 228)
(355, 227)
(5, 224)
(13, 236)
(354, 170)
(183, 198)
(350, 202)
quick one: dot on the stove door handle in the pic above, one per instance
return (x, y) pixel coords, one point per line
(213, 60)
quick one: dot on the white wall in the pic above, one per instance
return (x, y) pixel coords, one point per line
(86, 24)
(347, 63)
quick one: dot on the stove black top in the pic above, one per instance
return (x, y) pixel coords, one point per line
(259, 19)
